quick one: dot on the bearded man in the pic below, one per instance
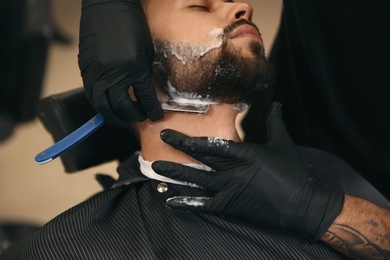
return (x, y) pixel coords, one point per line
(208, 54)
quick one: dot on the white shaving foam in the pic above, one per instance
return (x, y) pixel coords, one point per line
(187, 98)
(218, 142)
(187, 51)
(191, 201)
(241, 107)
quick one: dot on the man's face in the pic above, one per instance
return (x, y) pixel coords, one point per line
(208, 49)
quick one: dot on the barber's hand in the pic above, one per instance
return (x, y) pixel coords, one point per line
(115, 53)
(261, 184)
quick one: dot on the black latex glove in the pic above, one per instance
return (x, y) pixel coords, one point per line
(261, 184)
(116, 52)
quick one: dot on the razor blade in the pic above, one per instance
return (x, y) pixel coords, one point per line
(188, 108)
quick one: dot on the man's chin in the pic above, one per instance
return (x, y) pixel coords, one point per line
(247, 47)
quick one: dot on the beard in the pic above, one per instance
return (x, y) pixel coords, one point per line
(223, 75)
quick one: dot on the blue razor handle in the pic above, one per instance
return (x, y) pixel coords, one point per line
(70, 141)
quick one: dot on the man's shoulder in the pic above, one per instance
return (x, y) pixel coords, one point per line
(327, 167)
(82, 227)
(314, 156)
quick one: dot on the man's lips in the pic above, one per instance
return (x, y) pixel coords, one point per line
(246, 31)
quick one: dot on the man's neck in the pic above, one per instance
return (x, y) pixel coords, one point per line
(218, 122)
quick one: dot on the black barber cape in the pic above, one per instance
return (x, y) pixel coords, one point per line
(131, 221)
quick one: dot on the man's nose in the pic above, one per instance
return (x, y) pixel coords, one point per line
(240, 11)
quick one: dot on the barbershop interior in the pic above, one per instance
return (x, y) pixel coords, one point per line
(46, 64)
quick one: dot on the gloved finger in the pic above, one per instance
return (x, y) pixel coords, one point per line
(207, 150)
(122, 104)
(188, 174)
(193, 204)
(104, 108)
(277, 132)
(201, 148)
(147, 97)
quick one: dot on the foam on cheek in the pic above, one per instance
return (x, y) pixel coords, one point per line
(187, 51)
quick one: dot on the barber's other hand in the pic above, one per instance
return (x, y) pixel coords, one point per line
(261, 184)
(115, 53)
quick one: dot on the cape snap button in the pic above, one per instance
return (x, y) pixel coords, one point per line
(162, 187)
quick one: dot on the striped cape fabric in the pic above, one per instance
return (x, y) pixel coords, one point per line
(131, 221)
